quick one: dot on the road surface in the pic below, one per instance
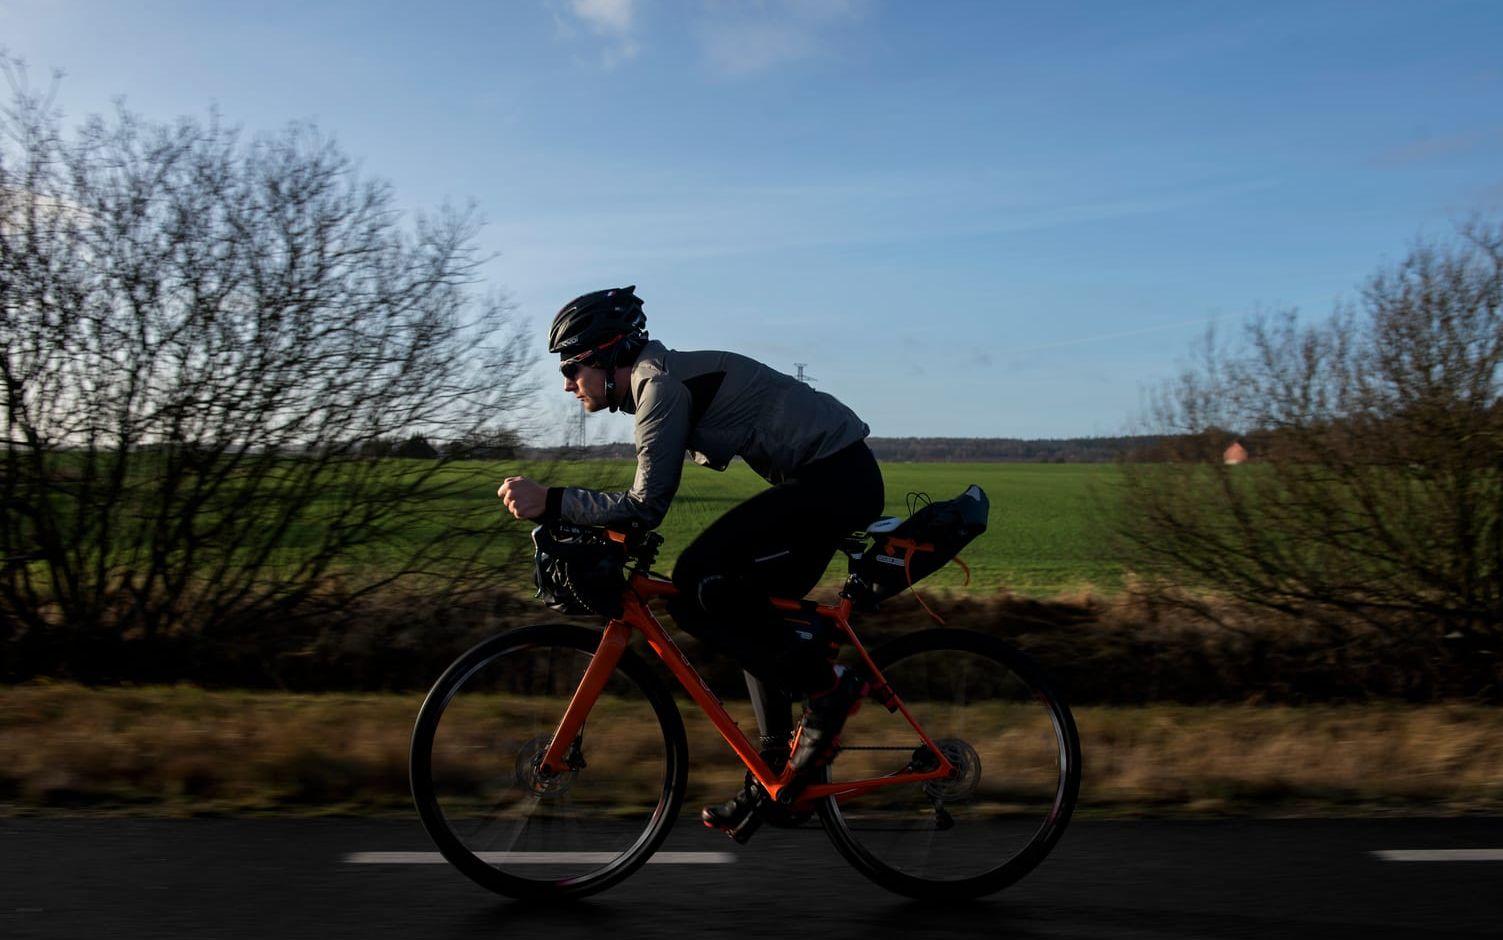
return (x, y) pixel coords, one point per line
(319, 878)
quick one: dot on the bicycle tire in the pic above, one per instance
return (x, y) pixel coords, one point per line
(915, 880)
(569, 642)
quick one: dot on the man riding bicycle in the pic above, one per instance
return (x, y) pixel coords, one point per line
(825, 484)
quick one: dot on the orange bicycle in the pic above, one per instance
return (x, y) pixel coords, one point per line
(550, 761)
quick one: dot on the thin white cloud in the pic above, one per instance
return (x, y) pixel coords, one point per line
(679, 221)
(1121, 334)
(614, 22)
(610, 17)
(743, 37)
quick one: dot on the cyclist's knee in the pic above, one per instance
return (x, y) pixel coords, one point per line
(714, 594)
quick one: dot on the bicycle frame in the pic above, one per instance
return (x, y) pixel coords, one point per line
(636, 615)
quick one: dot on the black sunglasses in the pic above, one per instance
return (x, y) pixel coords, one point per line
(570, 367)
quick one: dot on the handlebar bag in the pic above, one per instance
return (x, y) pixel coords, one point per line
(578, 571)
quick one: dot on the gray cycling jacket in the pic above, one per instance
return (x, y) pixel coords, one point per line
(716, 405)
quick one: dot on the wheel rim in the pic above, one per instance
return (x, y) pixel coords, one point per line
(994, 814)
(500, 816)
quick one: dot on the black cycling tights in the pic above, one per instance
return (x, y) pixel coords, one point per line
(778, 543)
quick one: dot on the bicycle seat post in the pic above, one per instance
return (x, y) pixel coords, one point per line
(855, 589)
(647, 553)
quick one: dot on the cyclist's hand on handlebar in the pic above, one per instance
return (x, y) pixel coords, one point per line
(523, 498)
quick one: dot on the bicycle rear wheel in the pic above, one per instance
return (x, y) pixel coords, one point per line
(1013, 742)
(487, 722)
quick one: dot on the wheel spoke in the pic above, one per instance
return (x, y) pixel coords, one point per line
(509, 842)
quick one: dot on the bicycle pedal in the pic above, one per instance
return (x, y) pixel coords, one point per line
(742, 832)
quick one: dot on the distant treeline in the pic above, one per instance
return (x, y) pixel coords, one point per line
(1008, 449)
(998, 449)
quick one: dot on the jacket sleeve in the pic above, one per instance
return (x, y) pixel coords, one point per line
(662, 436)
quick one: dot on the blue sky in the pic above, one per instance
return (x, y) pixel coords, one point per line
(980, 219)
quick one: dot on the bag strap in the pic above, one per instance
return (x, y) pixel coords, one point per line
(912, 546)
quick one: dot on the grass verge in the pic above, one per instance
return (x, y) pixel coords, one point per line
(183, 751)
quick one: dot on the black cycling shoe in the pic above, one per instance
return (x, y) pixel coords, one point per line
(819, 732)
(734, 811)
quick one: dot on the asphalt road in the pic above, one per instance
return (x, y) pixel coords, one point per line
(97, 878)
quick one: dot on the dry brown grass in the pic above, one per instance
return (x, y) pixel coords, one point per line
(184, 749)
(179, 750)
(1440, 758)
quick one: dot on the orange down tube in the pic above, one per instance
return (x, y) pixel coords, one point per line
(638, 615)
(597, 674)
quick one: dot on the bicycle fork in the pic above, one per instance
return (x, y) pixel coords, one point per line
(555, 760)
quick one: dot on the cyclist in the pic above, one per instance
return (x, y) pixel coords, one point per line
(825, 484)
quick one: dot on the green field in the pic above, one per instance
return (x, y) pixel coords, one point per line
(1047, 532)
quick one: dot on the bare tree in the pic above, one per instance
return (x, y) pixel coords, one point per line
(1375, 490)
(199, 335)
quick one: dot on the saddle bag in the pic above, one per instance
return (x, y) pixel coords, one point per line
(923, 543)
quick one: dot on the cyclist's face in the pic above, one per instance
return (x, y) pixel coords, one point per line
(588, 385)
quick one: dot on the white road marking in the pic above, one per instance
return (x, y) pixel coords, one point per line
(1440, 855)
(538, 858)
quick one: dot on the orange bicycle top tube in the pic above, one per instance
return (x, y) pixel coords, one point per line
(647, 588)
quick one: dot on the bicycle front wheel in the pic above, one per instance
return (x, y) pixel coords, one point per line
(481, 733)
(1016, 754)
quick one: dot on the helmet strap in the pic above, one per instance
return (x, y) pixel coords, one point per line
(610, 388)
(608, 361)
(611, 360)
(607, 356)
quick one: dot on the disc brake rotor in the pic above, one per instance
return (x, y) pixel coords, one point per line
(529, 778)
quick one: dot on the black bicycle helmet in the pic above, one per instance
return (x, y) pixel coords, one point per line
(603, 328)
(596, 318)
